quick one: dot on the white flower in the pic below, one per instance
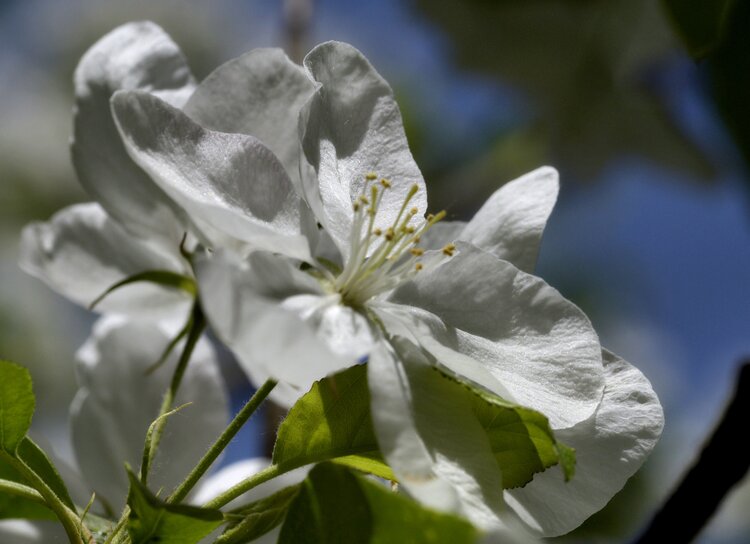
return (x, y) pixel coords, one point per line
(464, 308)
(138, 221)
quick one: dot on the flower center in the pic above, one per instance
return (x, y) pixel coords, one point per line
(394, 254)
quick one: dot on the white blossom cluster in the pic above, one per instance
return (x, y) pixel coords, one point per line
(289, 195)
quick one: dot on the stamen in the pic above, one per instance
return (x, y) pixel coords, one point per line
(394, 257)
(449, 249)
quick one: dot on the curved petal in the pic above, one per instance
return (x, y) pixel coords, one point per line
(442, 233)
(260, 94)
(118, 400)
(510, 224)
(610, 447)
(133, 56)
(231, 185)
(81, 252)
(538, 345)
(277, 320)
(21, 531)
(352, 126)
(430, 437)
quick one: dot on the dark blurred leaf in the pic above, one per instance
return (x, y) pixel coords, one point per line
(700, 23)
(728, 69)
(590, 68)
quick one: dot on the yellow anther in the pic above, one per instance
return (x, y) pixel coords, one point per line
(418, 267)
(370, 176)
(414, 211)
(377, 232)
(417, 251)
(363, 199)
(410, 229)
(417, 239)
(389, 234)
(385, 183)
(449, 249)
(430, 217)
(438, 217)
(356, 206)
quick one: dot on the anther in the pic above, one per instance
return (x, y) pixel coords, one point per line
(389, 234)
(370, 176)
(449, 250)
(418, 267)
(417, 251)
(385, 183)
(377, 232)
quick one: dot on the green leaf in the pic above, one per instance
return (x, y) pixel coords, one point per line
(332, 421)
(37, 460)
(335, 506)
(521, 439)
(16, 405)
(256, 519)
(151, 520)
(15, 507)
(701, 24)
(165, 278)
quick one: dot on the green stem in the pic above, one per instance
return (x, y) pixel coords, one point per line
(76, 531)
(196, 329)
(23, 491)
(119, 527)
(221, 443)
(269, 473)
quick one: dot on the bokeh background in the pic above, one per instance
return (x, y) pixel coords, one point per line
(639, 104)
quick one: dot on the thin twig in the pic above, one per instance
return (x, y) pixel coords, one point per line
(722, 463)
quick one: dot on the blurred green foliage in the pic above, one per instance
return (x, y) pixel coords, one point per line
(590, 69)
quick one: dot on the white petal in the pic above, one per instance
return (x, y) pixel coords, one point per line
(510, 224)
(442, 233)
(273, 317)
(352, 126)
(430, 437)
(118, 401)
(81, 252)
(537, 344)
(133, 56)
(610, 447)
(260, 94)
(21, 531)
(232, 186)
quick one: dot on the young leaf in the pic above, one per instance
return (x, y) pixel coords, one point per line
(13, 506)
(521, 439)
(37, 460)
(257, 518)
(153, 521)
(335, 506)
(165, 278)
(332, 421)
(16, 405)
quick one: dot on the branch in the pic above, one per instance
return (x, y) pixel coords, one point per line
(722, 463)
